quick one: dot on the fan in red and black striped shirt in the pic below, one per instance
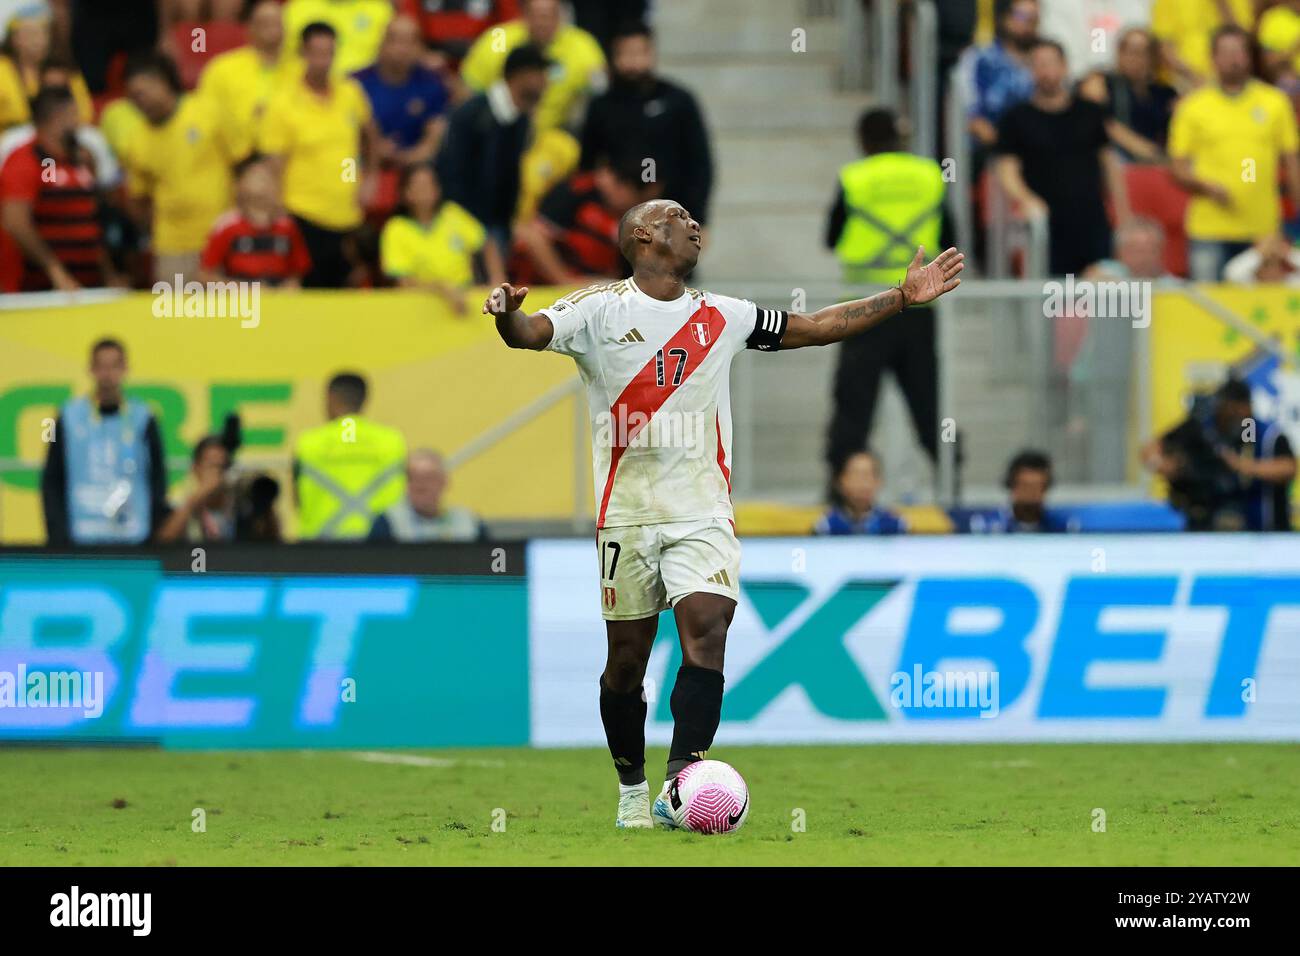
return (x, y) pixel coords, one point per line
(257, 241)
(574, 236)
(50, 233)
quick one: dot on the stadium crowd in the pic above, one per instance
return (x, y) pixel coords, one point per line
(1136, 114)
(404, 142)
(329, 143)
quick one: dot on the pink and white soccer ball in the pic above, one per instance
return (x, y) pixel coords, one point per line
(709, 796)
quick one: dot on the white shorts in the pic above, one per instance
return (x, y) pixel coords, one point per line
(647, 568)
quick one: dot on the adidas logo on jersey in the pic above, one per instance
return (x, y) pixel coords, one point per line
(632, 336)
(719, 577)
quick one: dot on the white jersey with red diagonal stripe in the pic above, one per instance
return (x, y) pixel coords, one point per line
(657, 376)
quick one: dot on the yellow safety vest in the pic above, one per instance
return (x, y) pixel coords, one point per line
(349, 471)
(894, 203)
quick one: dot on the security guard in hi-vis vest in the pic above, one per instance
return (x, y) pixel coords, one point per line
(348, 470)
(888, 204)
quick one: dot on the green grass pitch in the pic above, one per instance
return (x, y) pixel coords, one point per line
(1030, 804)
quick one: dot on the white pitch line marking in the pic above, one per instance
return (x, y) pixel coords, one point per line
(415, 760)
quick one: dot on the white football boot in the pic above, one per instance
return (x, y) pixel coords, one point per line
(662, 811)
(634, 807)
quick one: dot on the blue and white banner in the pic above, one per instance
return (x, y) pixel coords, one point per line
(1072, 637)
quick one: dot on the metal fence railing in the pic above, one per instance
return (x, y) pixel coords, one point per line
(1009, 378)
(923, 85)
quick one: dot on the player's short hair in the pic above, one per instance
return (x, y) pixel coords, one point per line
(107, 343)
(1234, 390)
(524, 58)
(626, 241)
(317, 28)
(1031, 459)
(349, 388)
(48, 101)
(157, 65)
(878, 131)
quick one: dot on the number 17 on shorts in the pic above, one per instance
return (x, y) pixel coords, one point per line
(645, 569)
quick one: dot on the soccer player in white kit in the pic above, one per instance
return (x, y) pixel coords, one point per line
(656, 359)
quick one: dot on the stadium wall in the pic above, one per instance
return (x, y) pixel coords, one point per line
(1075, 637)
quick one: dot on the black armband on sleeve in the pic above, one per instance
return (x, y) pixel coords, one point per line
(769, 329)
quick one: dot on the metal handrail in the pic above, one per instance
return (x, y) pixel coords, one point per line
(999, 238)
(884, 48)
(570, 388)
(923, 92)
(960, 190)
(853, 45)
(1008, 234)
(1037, 248)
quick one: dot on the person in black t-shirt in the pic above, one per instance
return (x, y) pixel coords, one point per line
(1056, 161)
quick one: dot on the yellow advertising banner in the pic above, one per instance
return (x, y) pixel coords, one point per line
(444, 380)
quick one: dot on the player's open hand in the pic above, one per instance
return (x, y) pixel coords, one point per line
(504, 298)
(925, 283)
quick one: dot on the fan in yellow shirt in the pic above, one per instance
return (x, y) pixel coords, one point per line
(431, 243)
(577, 63)
(24, 56)
(1228, 141)
(1184, 29)
(358, 24)
(242, 81)
(178, 161)
(321, 137)
(549, 160)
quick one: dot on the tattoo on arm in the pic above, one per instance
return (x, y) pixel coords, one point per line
(849, 313)
(853, 313)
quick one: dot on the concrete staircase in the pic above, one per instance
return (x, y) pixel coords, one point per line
(780, 130)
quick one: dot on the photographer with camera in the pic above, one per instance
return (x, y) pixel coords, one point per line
(206, 511)
(1227, 470)
(219, 504)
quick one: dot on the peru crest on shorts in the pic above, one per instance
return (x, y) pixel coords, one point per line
(700, 332)
(610, 597)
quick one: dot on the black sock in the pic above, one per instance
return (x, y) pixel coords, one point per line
(623, 715)
(697, 708)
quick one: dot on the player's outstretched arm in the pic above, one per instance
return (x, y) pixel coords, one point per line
(517, 328)
(923, 283)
